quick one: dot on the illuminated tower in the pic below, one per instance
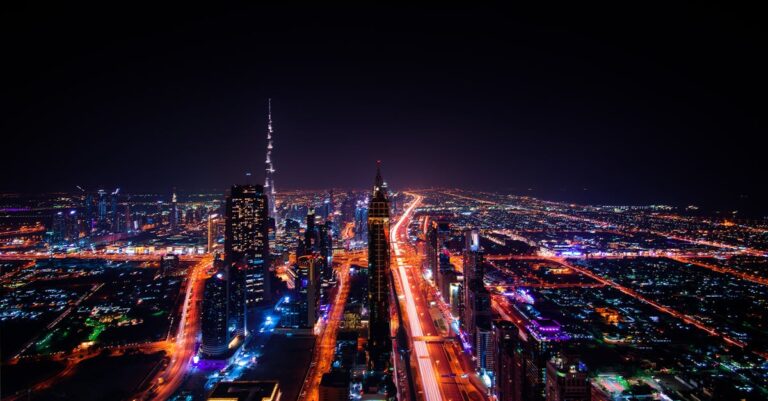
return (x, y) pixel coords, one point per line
(379, 341)
(245, 238)
(269, 176)
(102, 208)
(174, 210)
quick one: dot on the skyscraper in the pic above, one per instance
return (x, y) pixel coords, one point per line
(215, 335)
(102, 208)
(361, 219)
(113, 215)
(174, 210)
(508, 372)
(310, 234)
(379, 342)
(246, 237)
(473, 260)
(477, 304)
(308, 291)
(236, 296)
(269, 174)
(567, 379)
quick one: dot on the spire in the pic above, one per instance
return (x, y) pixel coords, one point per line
(379, 186)
(379, 181)
(269, 170)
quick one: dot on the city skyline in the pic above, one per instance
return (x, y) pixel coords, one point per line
(384, 203)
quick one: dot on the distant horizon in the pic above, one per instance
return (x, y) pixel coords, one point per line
(746, 206)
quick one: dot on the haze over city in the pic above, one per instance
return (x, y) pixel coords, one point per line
(383, 203)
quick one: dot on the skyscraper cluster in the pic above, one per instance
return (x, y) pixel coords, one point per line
(242, 278)
(314, 273)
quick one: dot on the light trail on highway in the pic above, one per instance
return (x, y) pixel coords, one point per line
(183, 348)
(424, 361)
(326, 342)
(634, 294)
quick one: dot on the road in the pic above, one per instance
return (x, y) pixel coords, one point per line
(326, 342)
(611, 227)
(182, 349)
(121, 257)
(723, 270)
(439, 367)
(634, 294)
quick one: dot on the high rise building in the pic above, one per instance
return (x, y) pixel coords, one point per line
(431, 248)
(311, 238)
(246, 238)
(471, 250)
(477, 301)
(168, 263)
(128, 217)
(308, 287)
(361, 221)
(114, 216)
(174, 217)
(485, 358)
(236, 315)
(379, 342)
(567, 379)
(215, 333)
(102, 219)
(213, 220)
(508, 375)
(540, 343)
(269, 173)
(88, 218)
(325, 249)
(223, 309)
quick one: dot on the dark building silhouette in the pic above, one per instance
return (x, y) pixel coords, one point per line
(168, 263)
(521, 356)
(308, 287)
(334, 386)
(237, 298)
(242, 390)
(567, 379)
(508, 375)
(215, 334)
(379, 342)
(311, 238)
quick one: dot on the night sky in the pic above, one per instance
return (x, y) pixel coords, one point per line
(588, 104)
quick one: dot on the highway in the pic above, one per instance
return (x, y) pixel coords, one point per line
(153, 257)
(610, 227)
(183, 348)
(440, 370)
(634, 294)
(326, 342)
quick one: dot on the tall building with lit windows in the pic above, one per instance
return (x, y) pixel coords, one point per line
(246, 238)
(379, 341)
